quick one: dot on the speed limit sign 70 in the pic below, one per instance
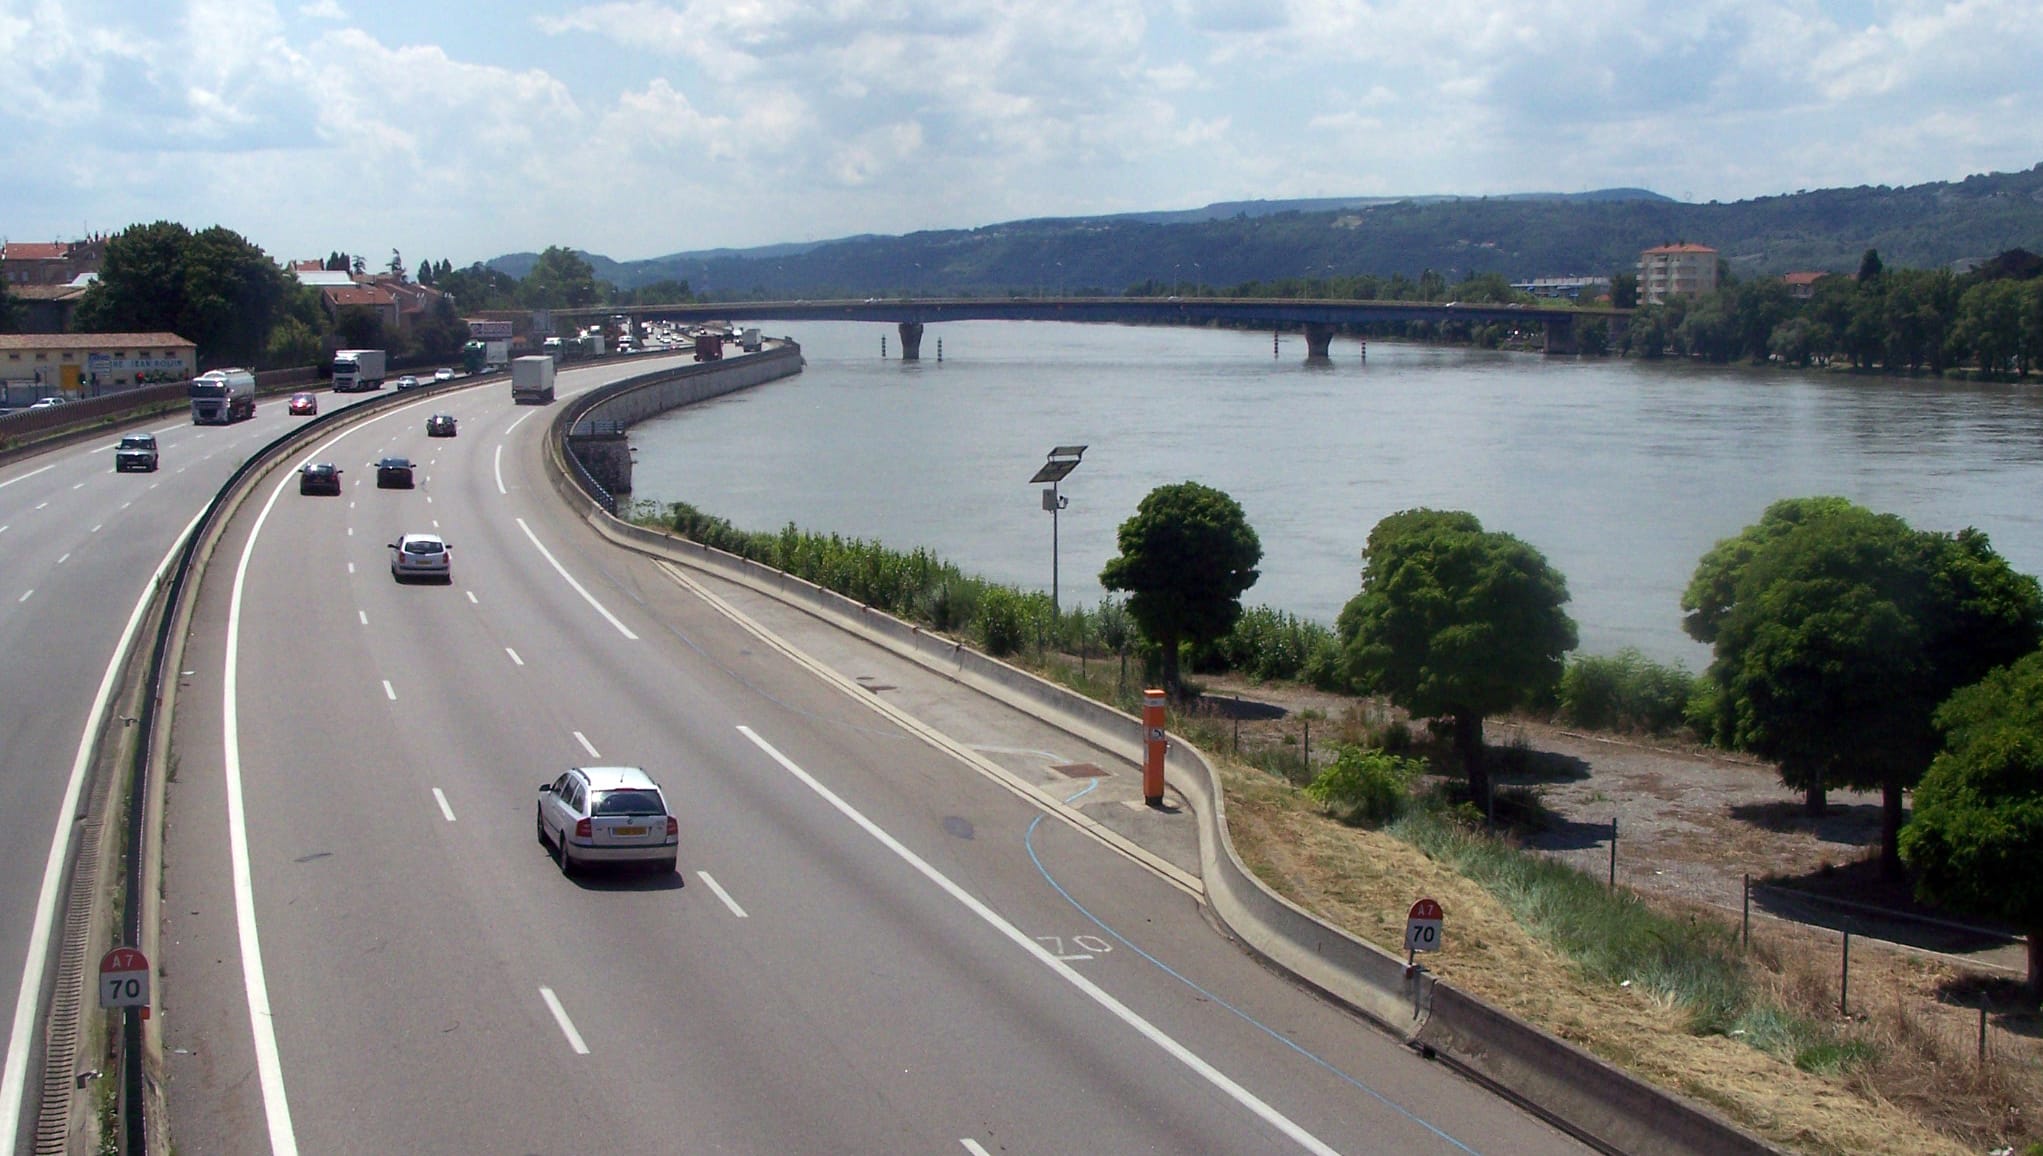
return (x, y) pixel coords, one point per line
(1422, 926)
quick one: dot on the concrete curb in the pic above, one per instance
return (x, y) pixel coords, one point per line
(1591, 1099)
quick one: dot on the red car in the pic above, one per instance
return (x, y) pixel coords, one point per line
(302, 403)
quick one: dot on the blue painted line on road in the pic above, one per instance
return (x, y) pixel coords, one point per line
(1029, 841)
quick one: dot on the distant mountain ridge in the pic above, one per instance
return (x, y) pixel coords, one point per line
(1229, 243)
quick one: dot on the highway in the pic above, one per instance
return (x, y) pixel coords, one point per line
(867, 947)
(78, 546)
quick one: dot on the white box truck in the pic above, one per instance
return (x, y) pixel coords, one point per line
(532, 380)
(358, 370)
(495, 355)
(749, 340)
(222, 396)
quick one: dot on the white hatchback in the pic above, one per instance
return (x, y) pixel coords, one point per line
(607, 815)
(421, 556)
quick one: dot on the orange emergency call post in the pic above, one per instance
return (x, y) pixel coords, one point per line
(1153, 747)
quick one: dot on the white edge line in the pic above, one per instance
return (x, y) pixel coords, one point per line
(1097, 994)
(440, 797)
(14, 1077)
(587, 745)
(269, 1067)
(567, 1026)
(723, 895)
(579, 588)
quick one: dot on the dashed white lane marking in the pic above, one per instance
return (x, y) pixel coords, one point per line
(514, 656)
(351, 567)
(440, 797)
(567, 1026)
(722, 894)
(579, 588)
(972, 1146)
(363, 615)
(351, 503)
(498, 465)
(1127, 1015)
(79, 486)
(126, 504)
(25, 594)
(351, 531)
(587, 745)
(42, 505)
(64, 557)
(389, 692)
(471, 596)
(95, 529)
(52, 466)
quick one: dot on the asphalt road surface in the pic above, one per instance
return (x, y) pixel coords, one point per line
(79, 545)
(867, 947)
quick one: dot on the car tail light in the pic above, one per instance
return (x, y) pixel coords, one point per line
(583, 830)
(673, 826)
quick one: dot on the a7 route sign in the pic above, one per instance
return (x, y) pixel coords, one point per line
(124, 978)
(1422, 926)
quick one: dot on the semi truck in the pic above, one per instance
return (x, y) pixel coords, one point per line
(555, 348)
(358, 370)
(222, 396)
(532, 380)
(485, 356)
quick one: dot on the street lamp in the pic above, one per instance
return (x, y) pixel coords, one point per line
(1063, 460)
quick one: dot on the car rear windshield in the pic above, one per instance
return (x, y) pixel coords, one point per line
(422, 547)
(633, 802)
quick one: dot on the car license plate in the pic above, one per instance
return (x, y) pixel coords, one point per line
(624, 831)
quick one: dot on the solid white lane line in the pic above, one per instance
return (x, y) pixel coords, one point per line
(567, 1026)
(363, 615)
(498, 465)
(587, 745)
(579, 589)
(389, 691)
(269, 1068)
(440, 797)
(723, 895)
(1064, 971)
(52, 466)
(514, 656)
(14, 1074)
(972, 1146)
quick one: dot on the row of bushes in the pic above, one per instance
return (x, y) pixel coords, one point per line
(1623, 692)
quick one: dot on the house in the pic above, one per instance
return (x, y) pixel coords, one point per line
(56, 263)
(1683, 268)
(1802, 286)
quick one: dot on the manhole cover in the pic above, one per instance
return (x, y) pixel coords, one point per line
(1078, 770)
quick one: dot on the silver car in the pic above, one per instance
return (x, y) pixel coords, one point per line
(607, 815)
(421, 556)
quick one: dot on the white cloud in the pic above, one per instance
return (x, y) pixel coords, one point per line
(322, 10)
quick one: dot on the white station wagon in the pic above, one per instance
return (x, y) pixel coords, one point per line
(420, 556)
(607, 815)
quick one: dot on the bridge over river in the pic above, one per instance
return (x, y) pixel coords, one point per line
(1317, 319)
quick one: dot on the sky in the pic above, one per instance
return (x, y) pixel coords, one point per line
(463, 129)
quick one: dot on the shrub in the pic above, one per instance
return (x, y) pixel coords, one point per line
(1271, 644)
(1002, 622)
(1625, 692)
(1370, 786)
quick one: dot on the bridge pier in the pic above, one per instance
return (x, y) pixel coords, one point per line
(1560, 336)
(1319, 339)
(911, 340)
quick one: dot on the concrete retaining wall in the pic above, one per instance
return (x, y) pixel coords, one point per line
(1601, 1104)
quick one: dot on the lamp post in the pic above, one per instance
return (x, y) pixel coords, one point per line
(1062, 461)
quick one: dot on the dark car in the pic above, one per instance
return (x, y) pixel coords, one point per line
(303, 403)
(135, 452)
(394, 474)
(319, 478)
(440, 425)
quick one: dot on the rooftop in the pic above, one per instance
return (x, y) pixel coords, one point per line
(92, 341)
(33, 251)
(1681, 247)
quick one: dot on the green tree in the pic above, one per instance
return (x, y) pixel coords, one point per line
(1975, 841)
(479, 287)
(441, 333)
(1989, 325)
(1870, 267)
(560, 279)
(214, 287)
(1455, 622)
(426, 273)
(1838, 631)
(291, 343)
(1186, 557)
(1624, 290)
(1795, 341)
(359, 327)
(140, 288)
(1761, 306)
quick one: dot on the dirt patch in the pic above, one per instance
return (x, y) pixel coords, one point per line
(1691, 827)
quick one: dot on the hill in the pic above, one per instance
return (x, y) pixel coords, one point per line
(1519, 236)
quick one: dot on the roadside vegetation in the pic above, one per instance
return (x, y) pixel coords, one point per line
(1445, 606)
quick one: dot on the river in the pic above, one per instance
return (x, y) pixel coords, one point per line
(1623, 473)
